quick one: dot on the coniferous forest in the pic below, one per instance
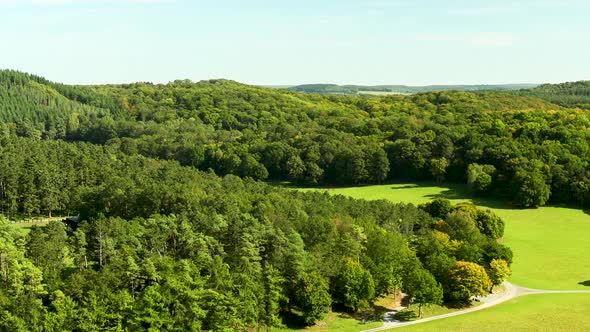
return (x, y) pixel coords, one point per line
(179, 229)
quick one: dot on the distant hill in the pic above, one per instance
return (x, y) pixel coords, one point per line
(400, 89)
(569, 94)
(308, 138)
(41, 108)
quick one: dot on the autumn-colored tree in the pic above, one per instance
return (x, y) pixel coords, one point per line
(466, 279)
(498, 271)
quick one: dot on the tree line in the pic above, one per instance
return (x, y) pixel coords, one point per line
(514, 147)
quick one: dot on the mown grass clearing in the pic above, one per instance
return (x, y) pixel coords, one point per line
(25, 225)
(336, 321)
(430, 311)
(548, 312)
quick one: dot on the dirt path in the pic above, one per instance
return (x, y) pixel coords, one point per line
(511, 291)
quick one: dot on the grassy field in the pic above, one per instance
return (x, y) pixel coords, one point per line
(429, 311)
(339, 322)
(550, 244)
(25, 225)
(552, 312)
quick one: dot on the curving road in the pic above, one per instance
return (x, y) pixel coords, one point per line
(511, 291)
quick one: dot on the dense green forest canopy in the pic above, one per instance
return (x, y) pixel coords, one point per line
(175, 233)
(161, 246)
(508, 145)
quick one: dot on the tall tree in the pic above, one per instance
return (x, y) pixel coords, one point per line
(422, 287)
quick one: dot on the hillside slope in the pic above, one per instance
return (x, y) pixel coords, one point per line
(569, 94)
(516, 147)
(38, 107)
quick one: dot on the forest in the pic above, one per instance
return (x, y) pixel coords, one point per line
(160, 246)
(178, 229)
(519, 148)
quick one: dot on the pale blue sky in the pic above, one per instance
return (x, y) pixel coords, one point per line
(292, 42)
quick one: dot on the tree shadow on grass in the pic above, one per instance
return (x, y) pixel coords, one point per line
(453, 194)
(406, 315)
(458, 304)
(585, 283)
(493, 203)
(405, 186)
(380, 310)
(455, 191)
(448, 194)
(293, 320)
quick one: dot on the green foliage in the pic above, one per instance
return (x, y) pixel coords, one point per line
(263, 133)
(170, 238)
(354, 287)
(406, 314)
(489, 224)
(438, 208)
(570, 94)
(387, 253)
(561, 232)
(531, 189)
(167, 247)
(462, 227)
(498, 271)
(438, 168)
(466, 279)
(422, 287)
(50, 251)
(480, 178)
(313, 297)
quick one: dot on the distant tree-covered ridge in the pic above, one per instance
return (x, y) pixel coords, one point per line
(503, 144)
(570, 94)
(400, 89)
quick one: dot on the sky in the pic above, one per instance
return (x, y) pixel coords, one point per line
(280, 42)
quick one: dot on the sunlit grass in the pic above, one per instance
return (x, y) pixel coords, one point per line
(336, 321)
(550, 312)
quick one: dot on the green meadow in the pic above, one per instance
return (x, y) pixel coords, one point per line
(548, 312)
(550, 244)
(338, 322)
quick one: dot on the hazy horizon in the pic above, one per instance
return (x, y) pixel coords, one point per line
(281, 85)
(371, 42)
